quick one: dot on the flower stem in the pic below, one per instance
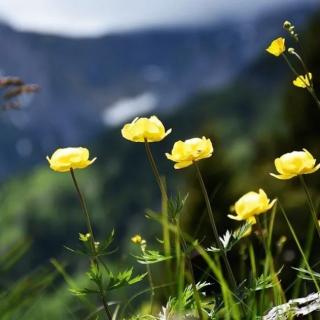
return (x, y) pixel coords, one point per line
(309, 88)
(299, 247)
(214, 227)
(151, 284)
(155, 169)
(166, 234)
(193, 282)
(307, 251)
(84, 209)
(310, 203)
(92, 241)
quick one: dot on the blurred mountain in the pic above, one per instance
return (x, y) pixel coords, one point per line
(93, 83)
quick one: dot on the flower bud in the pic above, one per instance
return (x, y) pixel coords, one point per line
(287, 24)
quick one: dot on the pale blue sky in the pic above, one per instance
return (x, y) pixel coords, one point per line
(95, 17)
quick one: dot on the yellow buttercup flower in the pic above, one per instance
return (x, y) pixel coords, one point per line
(144, 129)
(250, 205)
(295, 163)
(188, 151)
(137, 239)
(303, 81)
(62, 160)
(277, 47)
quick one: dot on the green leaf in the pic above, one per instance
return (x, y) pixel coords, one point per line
(230, 239)
(264, 282)
(175, 205)
(306, 274)
(151, 256)
(83, 292)
(123, 278)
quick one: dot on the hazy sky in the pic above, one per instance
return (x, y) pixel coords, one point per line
(94, 17)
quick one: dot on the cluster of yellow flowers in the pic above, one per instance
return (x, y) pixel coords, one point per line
(278, 48)
(184, 154)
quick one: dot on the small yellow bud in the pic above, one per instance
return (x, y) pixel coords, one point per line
(137, 239)
(84, 237)
(287, 24)
(291, 50)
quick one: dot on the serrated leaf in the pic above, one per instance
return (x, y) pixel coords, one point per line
(151, 256)
(123, 278)
(229, 239)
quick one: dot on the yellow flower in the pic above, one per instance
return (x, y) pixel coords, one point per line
(277, 47)
(63, 160)
(186, 152)
(141, 129)
(250, 205)
(303, 81)
(295, 163)
(84, 237)
(137, 239)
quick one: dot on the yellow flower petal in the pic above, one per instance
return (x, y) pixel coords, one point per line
(303, 81)
(277, 47)
(250, 205)
(181, 165)
(64, 159)
(238, 218)
(295, 163)
(145, 129)
(282, 176)
(188, 151)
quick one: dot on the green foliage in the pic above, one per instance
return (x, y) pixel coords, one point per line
(229, 239)
(188, 303)
(151, 257)
(175, 205)
(263, 282)
(123, 278)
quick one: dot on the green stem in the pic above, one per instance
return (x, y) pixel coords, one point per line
(143, 248)
(314, 96)
(309, 88)
(84, 209)
(310, 203)
(303, 65)
(307, 250)
(193, 283)
(92, 241)
(214, 227)
(166, 234)
(299, 247)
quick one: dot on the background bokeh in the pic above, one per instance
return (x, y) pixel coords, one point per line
(201, 66)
